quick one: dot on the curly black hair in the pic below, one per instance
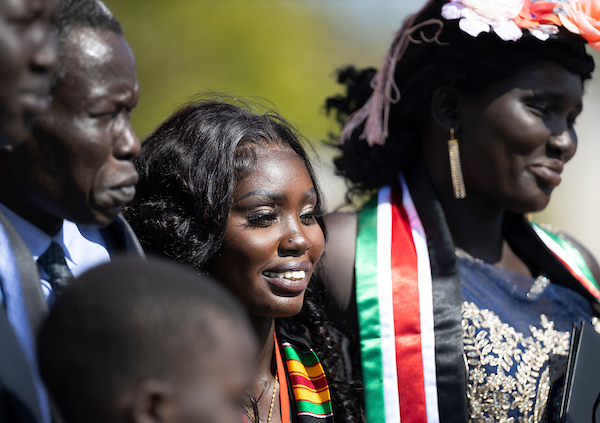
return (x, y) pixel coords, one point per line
(188, 169)
(466, 63)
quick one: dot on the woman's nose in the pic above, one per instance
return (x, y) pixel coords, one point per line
(563, 145)
(294, 241)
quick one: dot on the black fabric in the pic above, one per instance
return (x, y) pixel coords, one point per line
(120, 238)
(447, 299)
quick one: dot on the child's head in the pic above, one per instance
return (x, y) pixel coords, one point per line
(146, 341)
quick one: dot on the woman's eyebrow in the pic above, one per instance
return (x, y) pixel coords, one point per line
(264, 193)
(310, 192)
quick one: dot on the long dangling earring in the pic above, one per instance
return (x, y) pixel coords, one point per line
(458, 183)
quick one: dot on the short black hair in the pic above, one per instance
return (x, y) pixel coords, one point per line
(76, 14)
(124, 322)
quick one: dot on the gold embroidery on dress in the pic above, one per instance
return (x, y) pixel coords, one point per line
(506, 370)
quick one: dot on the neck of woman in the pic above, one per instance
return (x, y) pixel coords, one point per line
(476, 227)
(266, 366)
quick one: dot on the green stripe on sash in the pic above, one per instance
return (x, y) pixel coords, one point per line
(308, 359)
(367, 299)
(573, 253)
(317, 409)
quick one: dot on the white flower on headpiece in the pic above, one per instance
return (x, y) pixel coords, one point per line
(477, 16)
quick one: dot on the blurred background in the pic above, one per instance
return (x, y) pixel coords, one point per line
(286, 52)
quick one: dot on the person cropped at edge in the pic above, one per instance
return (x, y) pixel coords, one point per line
(63, 189)
(28, 55)
(461, 307)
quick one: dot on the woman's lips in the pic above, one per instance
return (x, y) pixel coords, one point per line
(288, 279)
(550, 175)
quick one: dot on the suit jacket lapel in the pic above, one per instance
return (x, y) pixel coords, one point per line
(36, 306)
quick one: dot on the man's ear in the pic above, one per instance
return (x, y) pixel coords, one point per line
(445, 108)
(154, 402)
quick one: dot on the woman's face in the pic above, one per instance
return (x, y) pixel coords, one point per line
(272, 239)
(517, 134)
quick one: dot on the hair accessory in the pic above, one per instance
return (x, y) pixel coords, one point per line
(458, 182)
(541, 18)
(385, 90)
(507, 18)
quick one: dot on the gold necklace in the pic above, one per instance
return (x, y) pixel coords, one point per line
(272, 401)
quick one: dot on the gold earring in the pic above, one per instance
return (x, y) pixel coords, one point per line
(458, 183)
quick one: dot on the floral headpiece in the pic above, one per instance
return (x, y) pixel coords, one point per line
(542, 18)
(507, 18)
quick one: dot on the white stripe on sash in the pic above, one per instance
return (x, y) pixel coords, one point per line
(558, 250)
(386, 305)
(425, 305)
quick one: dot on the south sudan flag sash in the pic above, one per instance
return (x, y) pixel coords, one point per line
(395, 311)
(306, 380)
(409, 304)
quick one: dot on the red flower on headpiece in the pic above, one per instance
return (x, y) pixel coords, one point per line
(539, 17)
(537, 13)
(583, 17)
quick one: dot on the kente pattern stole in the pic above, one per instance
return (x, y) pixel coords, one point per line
(306, 377)
(405, 318)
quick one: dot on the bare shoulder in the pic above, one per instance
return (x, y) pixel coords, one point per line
(587, 256)
(337, 264)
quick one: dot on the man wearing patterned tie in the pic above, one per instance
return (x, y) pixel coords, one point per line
(63, 189)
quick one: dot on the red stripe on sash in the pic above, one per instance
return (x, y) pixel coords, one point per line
(315, 384)
(407, 321)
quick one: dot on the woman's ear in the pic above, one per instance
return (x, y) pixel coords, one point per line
(154, 402)
(444, 108)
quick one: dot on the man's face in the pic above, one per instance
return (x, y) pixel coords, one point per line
(28, 54)
(80, 158)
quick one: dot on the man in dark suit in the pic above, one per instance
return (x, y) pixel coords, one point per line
(28, 56)
(63, 189)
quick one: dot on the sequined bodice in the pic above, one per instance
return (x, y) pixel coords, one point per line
(516, 333)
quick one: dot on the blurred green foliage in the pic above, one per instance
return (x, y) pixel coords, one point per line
(284, 51)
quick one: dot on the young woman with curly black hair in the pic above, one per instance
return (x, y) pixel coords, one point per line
(458, 307)
(233, 193)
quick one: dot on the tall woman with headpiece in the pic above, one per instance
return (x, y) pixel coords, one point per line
(457, 305)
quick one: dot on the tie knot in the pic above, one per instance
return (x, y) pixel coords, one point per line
(54, 264)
